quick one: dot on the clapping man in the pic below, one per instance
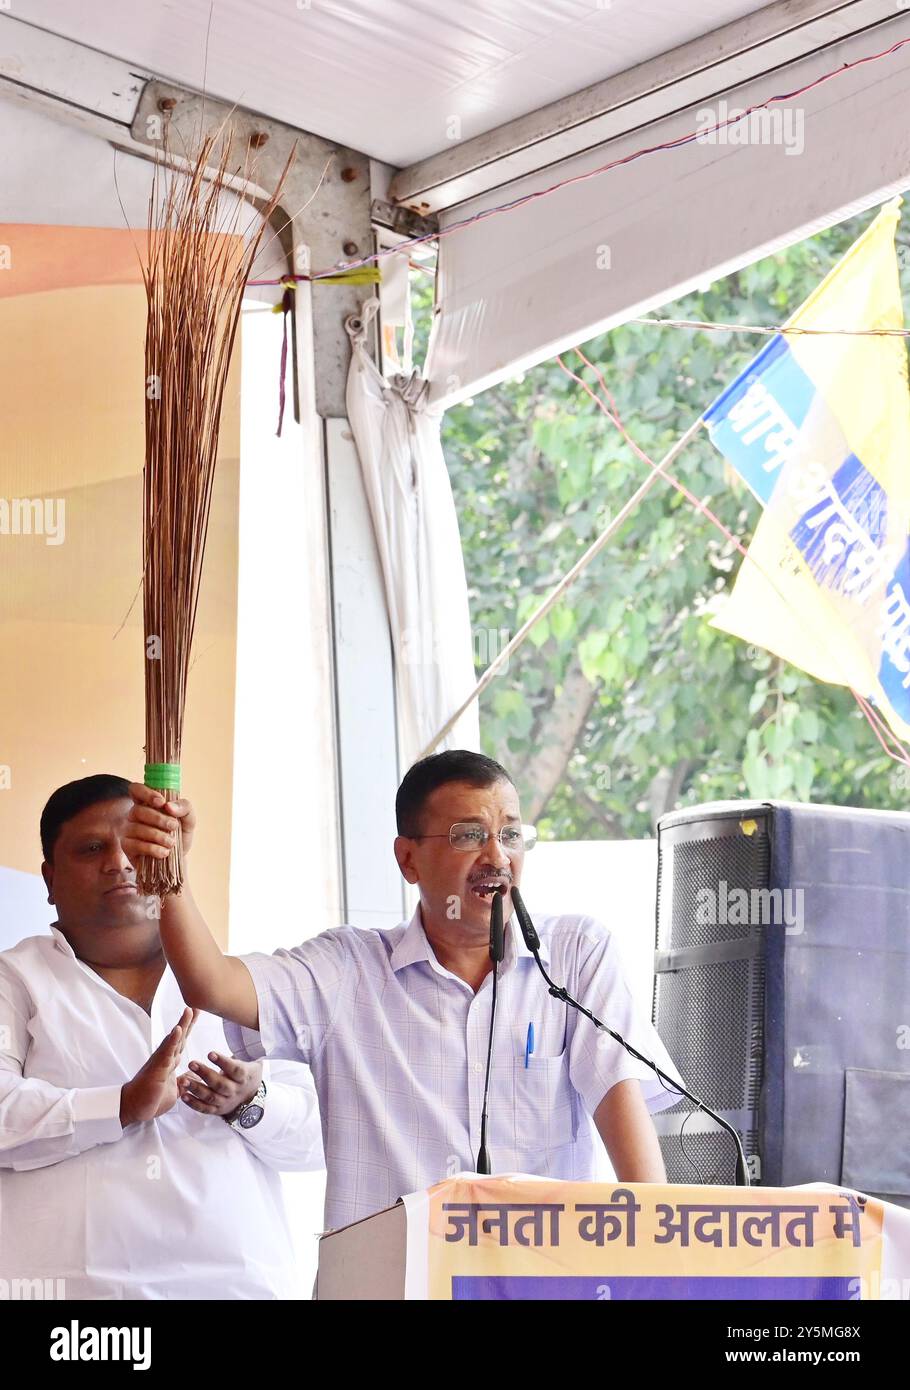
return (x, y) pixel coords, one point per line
(121, 1175)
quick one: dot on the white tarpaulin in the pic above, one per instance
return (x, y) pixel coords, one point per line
(416, 529)
(516, 287)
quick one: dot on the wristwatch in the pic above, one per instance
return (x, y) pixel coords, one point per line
(250, 1112)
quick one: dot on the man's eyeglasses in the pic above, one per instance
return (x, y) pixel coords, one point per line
(468, 835)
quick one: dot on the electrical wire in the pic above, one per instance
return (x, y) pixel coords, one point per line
(667, 145)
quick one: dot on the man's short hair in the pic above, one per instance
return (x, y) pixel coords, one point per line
(455, 765)
(66, 802)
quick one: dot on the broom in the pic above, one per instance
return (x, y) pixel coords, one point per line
(197, 267)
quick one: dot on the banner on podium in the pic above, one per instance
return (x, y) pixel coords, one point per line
(519, 1237)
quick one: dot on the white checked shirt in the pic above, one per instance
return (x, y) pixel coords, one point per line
(397, 1045)
(178, 1207)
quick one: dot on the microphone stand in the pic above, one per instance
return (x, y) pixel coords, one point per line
(532, 941)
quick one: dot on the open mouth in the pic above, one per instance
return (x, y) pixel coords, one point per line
(487, 887)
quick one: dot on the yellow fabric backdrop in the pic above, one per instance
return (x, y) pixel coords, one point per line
(72, 325)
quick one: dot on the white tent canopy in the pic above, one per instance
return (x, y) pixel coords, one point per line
(475, 106)
(519, 286)
(383, 76)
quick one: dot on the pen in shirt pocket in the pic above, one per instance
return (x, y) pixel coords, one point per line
(529, 1045)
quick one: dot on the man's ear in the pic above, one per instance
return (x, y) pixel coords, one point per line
(404, 854)
(47, 873)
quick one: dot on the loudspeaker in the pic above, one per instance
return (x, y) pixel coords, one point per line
(782, 992)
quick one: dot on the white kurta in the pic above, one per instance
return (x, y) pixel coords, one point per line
(178, 1207)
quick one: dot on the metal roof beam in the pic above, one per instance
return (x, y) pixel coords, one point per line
(699, 71)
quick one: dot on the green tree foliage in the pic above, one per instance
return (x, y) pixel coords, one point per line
(625, 702)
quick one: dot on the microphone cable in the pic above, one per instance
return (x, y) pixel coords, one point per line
(532, 941)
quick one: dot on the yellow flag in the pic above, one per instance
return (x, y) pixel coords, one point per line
(819, 426)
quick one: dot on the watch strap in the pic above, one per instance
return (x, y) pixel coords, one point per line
(258, 1098)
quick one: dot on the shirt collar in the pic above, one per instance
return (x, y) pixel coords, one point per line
(413, 946)
(61, 942)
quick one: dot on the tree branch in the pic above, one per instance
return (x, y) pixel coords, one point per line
(555, 737)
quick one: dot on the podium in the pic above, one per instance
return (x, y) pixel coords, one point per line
(366, 1260)
(520, 1237)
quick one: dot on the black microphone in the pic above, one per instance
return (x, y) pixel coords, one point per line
(497, 927)
(497, 951)
(532, 941)
(528, 930)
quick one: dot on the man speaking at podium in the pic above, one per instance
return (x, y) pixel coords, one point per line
(395, 1023)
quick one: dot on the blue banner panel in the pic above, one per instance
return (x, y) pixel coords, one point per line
(586, 1289)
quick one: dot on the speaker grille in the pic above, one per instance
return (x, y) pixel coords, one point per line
(707, 1158)
(785, 1026)
(700, 866)
(710, 1013)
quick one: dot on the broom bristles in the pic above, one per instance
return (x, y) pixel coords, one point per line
(197, 267)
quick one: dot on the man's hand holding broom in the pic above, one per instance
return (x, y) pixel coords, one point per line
(208, 979)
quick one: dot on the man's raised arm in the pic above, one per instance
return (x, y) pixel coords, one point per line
(208, 978)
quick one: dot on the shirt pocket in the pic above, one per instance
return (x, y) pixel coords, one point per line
(545, 1103)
